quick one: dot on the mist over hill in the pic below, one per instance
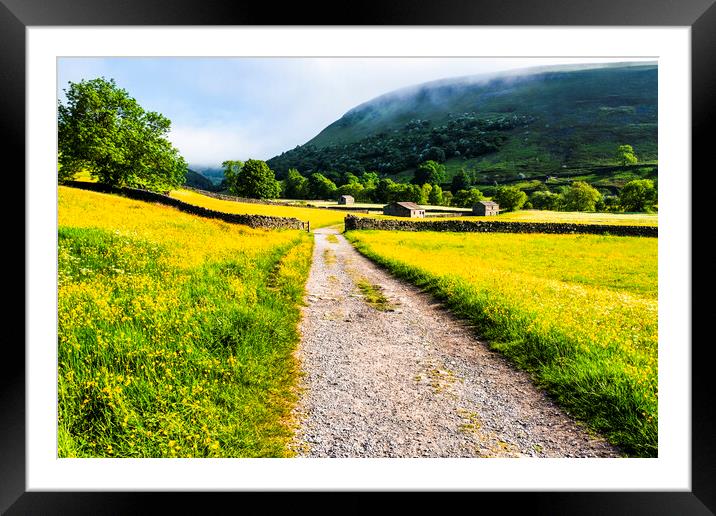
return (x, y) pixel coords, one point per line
(533, 121)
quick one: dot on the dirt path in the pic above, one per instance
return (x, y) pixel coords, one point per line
(413, 382)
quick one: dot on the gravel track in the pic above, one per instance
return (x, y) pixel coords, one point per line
(412, 382)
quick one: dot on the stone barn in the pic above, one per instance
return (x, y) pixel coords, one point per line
(404, 209)
(484, 208)
(346, 199)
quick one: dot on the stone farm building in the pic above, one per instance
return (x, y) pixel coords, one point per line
(404, 209)
(484, 208)
(346, 199)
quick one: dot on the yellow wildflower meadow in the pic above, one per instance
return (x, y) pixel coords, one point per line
(175, 333)
(567, 217)
(317, 217)
(579, 311)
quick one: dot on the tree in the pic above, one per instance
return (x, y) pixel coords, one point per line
(348, 178)
(231, 172)
(369, 179)
(612, 203)
(254, 180)
(638, 195)
(467, 198)
(430, 172)
(436, 154)
(320, 187)
(353, 189)
(545, 200)
(625, 155)
(295, 185)
(510, 198)
(425, 192)
(436, 196)
(410, 193)
(103, 130)
(580, 196)
(460, 181)
(447, 198)
(383, 189)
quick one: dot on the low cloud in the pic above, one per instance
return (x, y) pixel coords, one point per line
(210, 145)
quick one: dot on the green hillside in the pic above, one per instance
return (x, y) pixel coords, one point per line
(197, 180)
(543, 122)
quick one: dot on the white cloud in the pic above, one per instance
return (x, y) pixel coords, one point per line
(210, 145)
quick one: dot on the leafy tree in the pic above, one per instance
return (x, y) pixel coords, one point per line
(401, 192)
(545, 200)
(580, 196)
(467, 198)
(411, 193)
(320, 187)
(369, 179)
(353, 189)
(425, 192)
(638, 195)
(295, 185)
(435, 154)
(436, 196)
(461, 181)
(510, 198)
(447, 198)
(231, 172)
(367, 195)
(348, 178)
(429, 172)
(383, 190)
(625, 155)
(612, 203)
(254, 180)
(103, 130)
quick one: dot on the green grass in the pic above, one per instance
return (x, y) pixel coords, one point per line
(317, 218)
(572, 217)
(373, 295)
(579, 312)
(581, 217)
(175, 334)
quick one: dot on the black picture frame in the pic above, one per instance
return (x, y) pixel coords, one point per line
(16, 15)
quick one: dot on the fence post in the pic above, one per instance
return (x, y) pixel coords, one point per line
(308, 226)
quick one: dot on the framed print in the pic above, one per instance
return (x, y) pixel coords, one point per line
(45, 49)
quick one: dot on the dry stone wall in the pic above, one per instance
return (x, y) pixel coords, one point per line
(254, 221)
(353, 222)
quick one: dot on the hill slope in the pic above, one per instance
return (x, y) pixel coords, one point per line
(197, 180)
(540, 121)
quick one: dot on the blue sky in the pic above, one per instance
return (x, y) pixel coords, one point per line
(241, 108)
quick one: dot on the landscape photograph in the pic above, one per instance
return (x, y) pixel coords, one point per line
(294, 257)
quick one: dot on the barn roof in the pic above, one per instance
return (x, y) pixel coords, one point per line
(346, 197)
(408, 205)
(487, 203)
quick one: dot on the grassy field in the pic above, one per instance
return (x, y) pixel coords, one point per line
(175, 333)
(575, 217)
(318, 217)
(577, 311)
